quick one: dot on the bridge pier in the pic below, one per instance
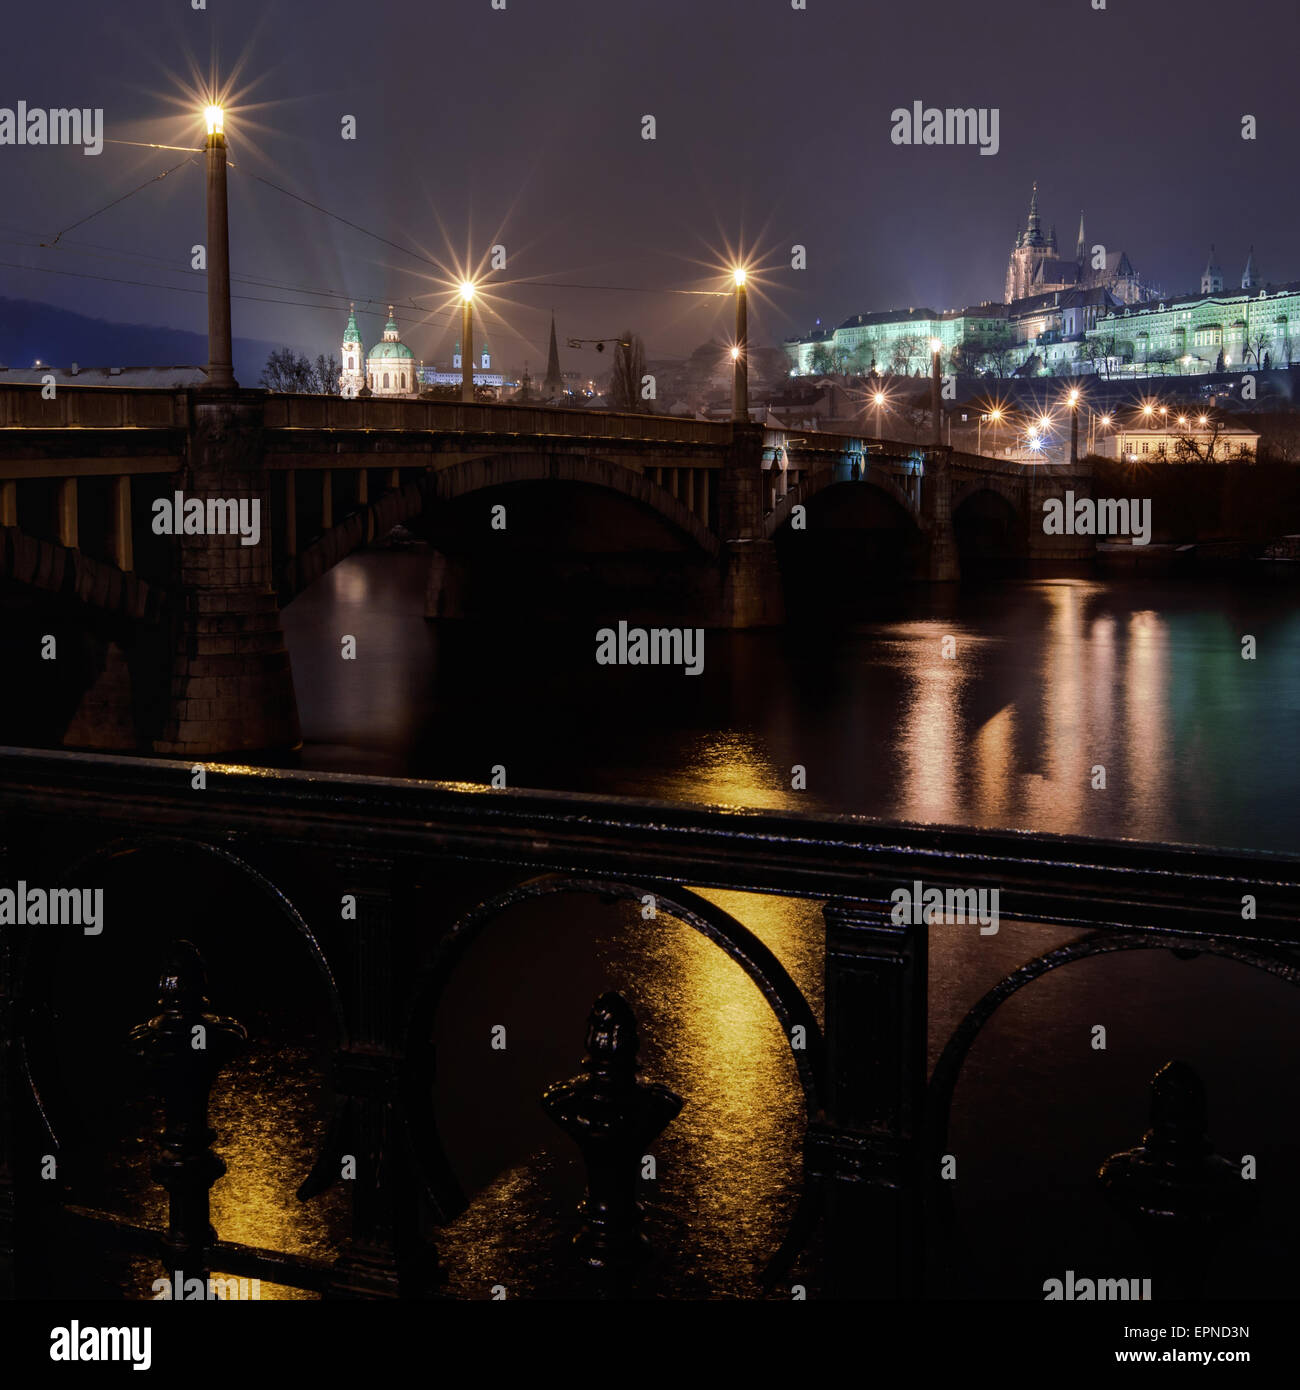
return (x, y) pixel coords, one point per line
(1039, 546)
(751, 578)
(943, 565)
(231, 685)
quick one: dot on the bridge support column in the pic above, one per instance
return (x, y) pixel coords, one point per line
(67, 513)
(120, 547)
(751, 579)
(943, 565)
(363, 500)
(291, 514)
(9, 504)
(231, 684)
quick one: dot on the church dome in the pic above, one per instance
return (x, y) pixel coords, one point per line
(390, 350)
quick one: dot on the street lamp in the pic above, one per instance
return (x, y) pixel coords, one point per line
(221, 371)
(740, 352)
(995, 416)
(467, 342)
(1073, 400)
(878, 400)
(936, 347)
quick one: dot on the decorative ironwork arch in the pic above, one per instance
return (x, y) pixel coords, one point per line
(123, 846)
(754, 958)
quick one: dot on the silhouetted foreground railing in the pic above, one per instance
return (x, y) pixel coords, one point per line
(876, 1123)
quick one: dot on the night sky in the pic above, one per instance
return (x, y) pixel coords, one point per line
(523, 127)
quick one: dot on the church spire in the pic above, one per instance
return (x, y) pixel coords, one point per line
(1212, 279)
(1250, 277)
(1081, 245)
(554, 383)
(1033, 228)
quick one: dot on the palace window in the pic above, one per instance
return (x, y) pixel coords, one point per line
(385, 381)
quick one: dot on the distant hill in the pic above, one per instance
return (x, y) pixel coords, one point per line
(29, 330)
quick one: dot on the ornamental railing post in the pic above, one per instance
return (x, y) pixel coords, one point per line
(867, 1152)
(185, 1047)
(1174, 1190)
(385, 1254)
(612, 1117)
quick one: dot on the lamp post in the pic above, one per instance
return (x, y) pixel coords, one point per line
(221, 373)
(467, 342)
(740, 352)
(936, 347)
(1074, 426)
(878, 400)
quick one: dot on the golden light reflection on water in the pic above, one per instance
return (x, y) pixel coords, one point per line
(731, 768)
(729, 1166)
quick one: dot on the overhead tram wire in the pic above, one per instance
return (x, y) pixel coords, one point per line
(186, 289)
(420, 256)
(155, 179)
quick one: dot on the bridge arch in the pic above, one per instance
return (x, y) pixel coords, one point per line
(479, 474)
(988, 521)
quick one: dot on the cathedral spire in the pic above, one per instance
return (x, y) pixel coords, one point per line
(1212, 279)
(554, 383)
(1081, 245)
(1250, 277)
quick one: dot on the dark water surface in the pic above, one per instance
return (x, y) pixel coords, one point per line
(1049, 680)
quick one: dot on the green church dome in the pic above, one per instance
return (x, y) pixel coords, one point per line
(390, 351)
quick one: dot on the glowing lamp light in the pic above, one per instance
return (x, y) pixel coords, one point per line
(936, 345)
(1203, 420)
(1182, 419)
(1035, 443)
(735, 354)
(995, 415)
(879, 398)
(216, 119)
(1148, 411)
(1105, 419)
(740, 275)
(467, 290)
(1074, 398)
(1045, 421)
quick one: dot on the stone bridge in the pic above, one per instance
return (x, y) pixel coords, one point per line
(738, 508)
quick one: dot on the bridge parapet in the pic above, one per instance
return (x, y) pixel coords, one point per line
(92, 407)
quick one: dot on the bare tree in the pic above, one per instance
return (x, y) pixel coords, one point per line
(906, 346)
(290, 372)
(1256, 347)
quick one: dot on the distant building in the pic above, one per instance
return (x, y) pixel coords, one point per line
(1241, 330)
(389, 367)
(1035, 266)
(1213, 442)
(482, 372)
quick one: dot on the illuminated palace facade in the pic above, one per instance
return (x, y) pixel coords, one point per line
(1092, 313)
